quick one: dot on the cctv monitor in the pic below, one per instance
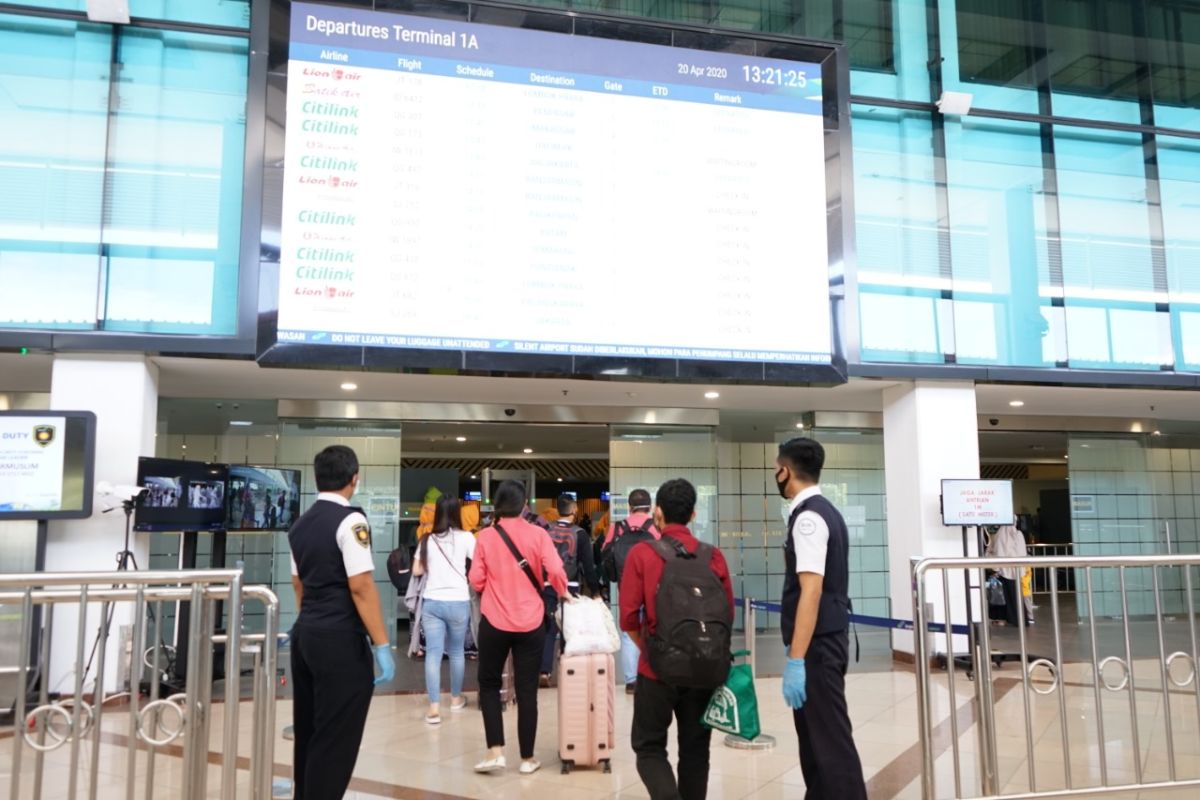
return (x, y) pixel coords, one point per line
(262, 498)
(47, 460)
(180, 495)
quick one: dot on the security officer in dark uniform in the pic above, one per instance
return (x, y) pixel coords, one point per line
(816, 620)
(333, 673)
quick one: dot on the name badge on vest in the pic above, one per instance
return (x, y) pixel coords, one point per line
(362, 534)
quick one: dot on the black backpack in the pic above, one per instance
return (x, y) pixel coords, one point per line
(399, 568)
(690, 646)
(613, 559)
(566, 542)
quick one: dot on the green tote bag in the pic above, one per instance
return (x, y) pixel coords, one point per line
(734, 707)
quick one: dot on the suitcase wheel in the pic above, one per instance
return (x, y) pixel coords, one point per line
(607, 765)
(566, 767)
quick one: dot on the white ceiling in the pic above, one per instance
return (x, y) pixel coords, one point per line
(213, 378)
(227, 379)
(1071, 401)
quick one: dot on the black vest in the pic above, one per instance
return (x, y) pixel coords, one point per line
(834, 614)
(327, 602)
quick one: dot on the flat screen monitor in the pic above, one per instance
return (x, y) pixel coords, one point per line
(556, 173)
(476, 496)
(47, 461)
(180, 495)
(262, 498)
(977, 502)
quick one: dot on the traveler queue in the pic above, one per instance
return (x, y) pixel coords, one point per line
(676, 617)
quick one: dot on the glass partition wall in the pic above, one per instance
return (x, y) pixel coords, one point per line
(738, 506)
(291, 445)
(1135, 495)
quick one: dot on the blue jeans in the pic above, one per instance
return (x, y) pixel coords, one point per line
(629, 659)
(445, 623)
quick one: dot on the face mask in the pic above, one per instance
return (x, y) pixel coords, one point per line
(782, 484)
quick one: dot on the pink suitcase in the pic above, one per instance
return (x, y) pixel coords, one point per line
(585, 711)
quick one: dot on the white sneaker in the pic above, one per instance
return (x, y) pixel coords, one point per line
(433, 719)
(492, 765)
(530, 767)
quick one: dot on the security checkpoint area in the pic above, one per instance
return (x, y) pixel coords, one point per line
(622, 400)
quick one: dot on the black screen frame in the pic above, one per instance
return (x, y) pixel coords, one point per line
(835, 74)
(229, 495)
(141, 525)
(88, 420)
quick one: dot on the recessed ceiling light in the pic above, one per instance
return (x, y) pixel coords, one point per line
(1016, 403)
(349, 387)
(1156, 433)
(474, 477)
(240, 423)
(560, 480)
(711, 395)
(527, 450)
(800, 425)
(460, 438)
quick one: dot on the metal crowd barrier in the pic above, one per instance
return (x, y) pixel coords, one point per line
(1040, 579)
(1048, 698)
(156, 726)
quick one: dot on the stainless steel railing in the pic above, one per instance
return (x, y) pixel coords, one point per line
(1047, 745)
(181, 719)
(1040, 579)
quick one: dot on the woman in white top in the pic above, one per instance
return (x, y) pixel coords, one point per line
(442, 557)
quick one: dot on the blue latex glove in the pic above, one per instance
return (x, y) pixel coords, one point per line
(795, 679)
(386, 663)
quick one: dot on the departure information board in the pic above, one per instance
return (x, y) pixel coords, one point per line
(476, 187)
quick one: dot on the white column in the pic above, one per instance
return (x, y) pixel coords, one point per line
(930, 432)
(122, 390)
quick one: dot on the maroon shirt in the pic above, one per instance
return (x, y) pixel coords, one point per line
(639, 587)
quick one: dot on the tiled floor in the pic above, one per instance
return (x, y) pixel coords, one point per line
(402, 757)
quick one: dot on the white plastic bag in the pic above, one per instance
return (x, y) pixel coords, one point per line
(588, 627)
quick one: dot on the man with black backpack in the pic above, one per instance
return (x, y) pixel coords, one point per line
(575, 549)
(677, 605)
(636, 528)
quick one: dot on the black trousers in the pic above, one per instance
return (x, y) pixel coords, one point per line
(333, 675)
(654, 705)
(550, 598)
(828, 757)
(526, 648)
(1012, 601)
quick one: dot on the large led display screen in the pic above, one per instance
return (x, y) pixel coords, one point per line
(476, 187)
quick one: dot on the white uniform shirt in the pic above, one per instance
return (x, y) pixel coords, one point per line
(810, 535)
(356, 554)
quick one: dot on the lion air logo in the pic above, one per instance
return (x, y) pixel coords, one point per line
(43, 435)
